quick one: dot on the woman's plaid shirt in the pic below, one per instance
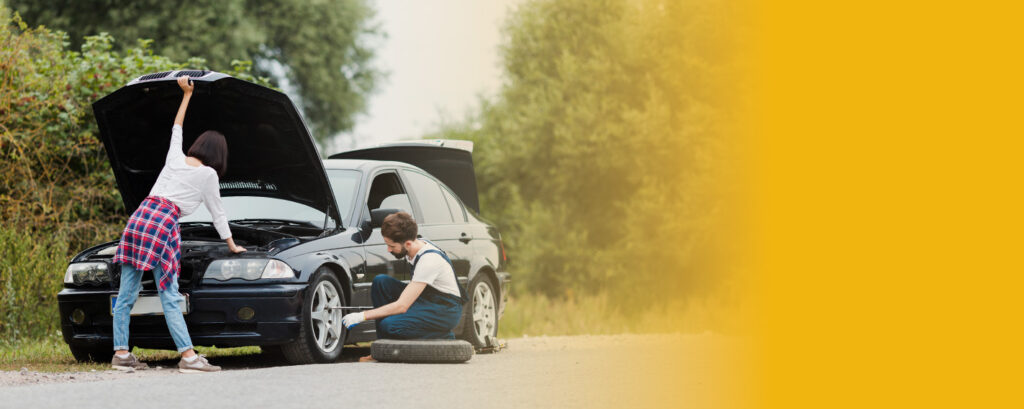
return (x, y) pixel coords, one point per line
(152, 237)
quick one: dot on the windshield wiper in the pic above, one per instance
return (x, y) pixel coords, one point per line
(273, 221)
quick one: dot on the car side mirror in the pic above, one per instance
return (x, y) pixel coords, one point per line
(377, 216)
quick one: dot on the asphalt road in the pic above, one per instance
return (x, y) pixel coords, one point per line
(622, 371)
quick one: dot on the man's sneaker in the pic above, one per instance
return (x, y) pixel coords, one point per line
(200, 364)
(127, 364)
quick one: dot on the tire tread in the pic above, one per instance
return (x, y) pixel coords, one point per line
(425, 351)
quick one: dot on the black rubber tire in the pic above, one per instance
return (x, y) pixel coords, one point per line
(469, 332)
(98, 354)
(421, 350)
(304, 349)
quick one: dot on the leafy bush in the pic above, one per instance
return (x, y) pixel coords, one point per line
(31, 273)
(325, 48)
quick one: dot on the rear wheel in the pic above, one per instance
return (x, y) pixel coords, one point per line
(321, 334)
(482, 312)
(100, 354)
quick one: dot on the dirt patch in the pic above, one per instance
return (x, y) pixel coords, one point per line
(27, 377)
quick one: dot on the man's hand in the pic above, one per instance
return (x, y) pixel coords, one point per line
(351, 320)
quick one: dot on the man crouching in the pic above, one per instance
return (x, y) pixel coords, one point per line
(430, 306)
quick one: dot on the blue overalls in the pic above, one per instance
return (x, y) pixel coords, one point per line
(432, 316)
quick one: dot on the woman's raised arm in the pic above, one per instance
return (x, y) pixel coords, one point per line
(186, 85)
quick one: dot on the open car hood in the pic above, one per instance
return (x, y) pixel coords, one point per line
(270, 151)
(449, 161)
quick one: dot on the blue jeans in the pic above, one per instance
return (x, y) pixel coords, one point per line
(131, 283)
(432, 316)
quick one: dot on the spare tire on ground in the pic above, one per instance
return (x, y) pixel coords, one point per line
(421, 350)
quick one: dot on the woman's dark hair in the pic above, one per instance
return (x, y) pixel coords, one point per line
(212, 149)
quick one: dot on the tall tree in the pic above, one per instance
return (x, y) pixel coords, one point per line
(602, 155)
(321, 47)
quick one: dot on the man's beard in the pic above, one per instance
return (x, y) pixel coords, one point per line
(399, 255)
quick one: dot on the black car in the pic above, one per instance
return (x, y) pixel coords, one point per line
(311, 226)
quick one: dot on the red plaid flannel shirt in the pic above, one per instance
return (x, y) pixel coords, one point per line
(152, 237)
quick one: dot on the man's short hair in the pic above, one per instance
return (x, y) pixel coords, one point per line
(399, 227)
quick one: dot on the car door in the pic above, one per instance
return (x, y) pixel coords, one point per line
(460, 249)
(439, 223)
(386, 192)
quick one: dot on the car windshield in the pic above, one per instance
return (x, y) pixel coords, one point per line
(260, 208)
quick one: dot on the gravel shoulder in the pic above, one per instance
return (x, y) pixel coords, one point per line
(566, 372)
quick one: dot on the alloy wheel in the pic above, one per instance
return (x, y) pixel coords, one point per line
(485, 317)
(325, 317)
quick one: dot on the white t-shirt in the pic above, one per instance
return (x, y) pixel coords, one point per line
(187, 186)
(433, 270)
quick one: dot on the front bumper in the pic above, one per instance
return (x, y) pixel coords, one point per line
(213, 320)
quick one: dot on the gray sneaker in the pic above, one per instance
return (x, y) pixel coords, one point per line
(197, 366)
(127, 364)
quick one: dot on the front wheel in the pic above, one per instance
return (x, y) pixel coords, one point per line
(321, 334)
(482, 315)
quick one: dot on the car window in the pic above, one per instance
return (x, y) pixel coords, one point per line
(458, 212)
(400, 202)
(259, 207)
(384, 186)
(344, 183)
(428, 194)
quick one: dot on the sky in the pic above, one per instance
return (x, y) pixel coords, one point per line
(439, 55)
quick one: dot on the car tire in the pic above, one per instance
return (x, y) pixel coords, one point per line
(98, 354)
(425, 351)
(309, 347)
(480, 315)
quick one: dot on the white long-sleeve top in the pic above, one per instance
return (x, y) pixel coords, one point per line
(187, 186)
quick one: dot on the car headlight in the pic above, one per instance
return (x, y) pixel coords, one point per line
(248, 269)
(90, 272)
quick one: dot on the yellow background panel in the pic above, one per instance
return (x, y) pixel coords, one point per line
(887, 183)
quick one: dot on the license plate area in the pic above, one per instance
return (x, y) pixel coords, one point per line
(151, 305)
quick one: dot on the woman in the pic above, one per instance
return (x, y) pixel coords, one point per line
(151, 240)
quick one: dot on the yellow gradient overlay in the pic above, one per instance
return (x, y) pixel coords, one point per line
(887, 199)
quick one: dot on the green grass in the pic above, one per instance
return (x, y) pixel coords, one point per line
(53, 355)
